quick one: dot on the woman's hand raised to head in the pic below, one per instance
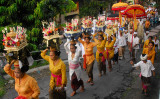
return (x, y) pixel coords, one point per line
(12, 62)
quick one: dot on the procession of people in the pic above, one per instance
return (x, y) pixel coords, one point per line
(110, 44)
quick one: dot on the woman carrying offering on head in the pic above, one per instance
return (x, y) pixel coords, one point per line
(110, 50)
(100, 54)
(58, 79)
(74, 66)
(25, 85)
(88, 56)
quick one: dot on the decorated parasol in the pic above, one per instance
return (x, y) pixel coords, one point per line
(135, 11)
(119, 7)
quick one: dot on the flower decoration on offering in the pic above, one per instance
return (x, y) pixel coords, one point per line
(72, 29)
(109, 30)
(15, 39)
(51, 31)
(87, 22)
(101, 21)
(100, 25)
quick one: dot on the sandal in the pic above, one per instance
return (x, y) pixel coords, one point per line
(88, 81)
(82, 89)
(91, 83)
(73, 93)
(100, 75)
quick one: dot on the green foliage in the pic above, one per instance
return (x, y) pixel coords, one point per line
(39, 64)
(52, 8)
(29, 14)
(92, 8)
(2, 88)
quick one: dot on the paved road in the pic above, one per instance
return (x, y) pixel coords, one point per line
(111, 86)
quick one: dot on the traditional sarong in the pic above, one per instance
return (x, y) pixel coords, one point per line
(115, 58)
(90, 70)
(84, 62)
(75, 84)
(145, 82)
(109, 54)
(101, 67)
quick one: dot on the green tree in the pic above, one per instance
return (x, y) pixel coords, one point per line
(29, 14)
(92, 7)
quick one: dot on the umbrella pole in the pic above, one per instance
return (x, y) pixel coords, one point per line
(120, 18)
(134, 16)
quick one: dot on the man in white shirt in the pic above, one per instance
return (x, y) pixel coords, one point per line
(121, 44)
(147, 69)
(115, 58)
(126, 35)
(135, 45)
(146, 35)
(130, 41)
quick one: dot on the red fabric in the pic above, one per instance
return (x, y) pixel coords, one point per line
(44, 29)
(84, 62)
(137, 15)
(112, 18)
(20, 97)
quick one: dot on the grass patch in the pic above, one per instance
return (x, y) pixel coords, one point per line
(39, 63)
(2, 86)
(126, 92)
(134, 78)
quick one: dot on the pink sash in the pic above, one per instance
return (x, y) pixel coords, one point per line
(73, 66)
(59, 79)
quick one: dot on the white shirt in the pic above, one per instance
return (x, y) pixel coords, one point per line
(145, 37)
(126, 36)
(77, 54)
(82, 48)
(116, 47)
(156, 43)
(129, 37)
(121, 41)
(75, 60)
(135, 42)
(146, 68)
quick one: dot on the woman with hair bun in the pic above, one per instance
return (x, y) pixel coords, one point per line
(88, 56)
(25, 85)
(74, 67)
(110, 50)
(100, 54)
(58, 79)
